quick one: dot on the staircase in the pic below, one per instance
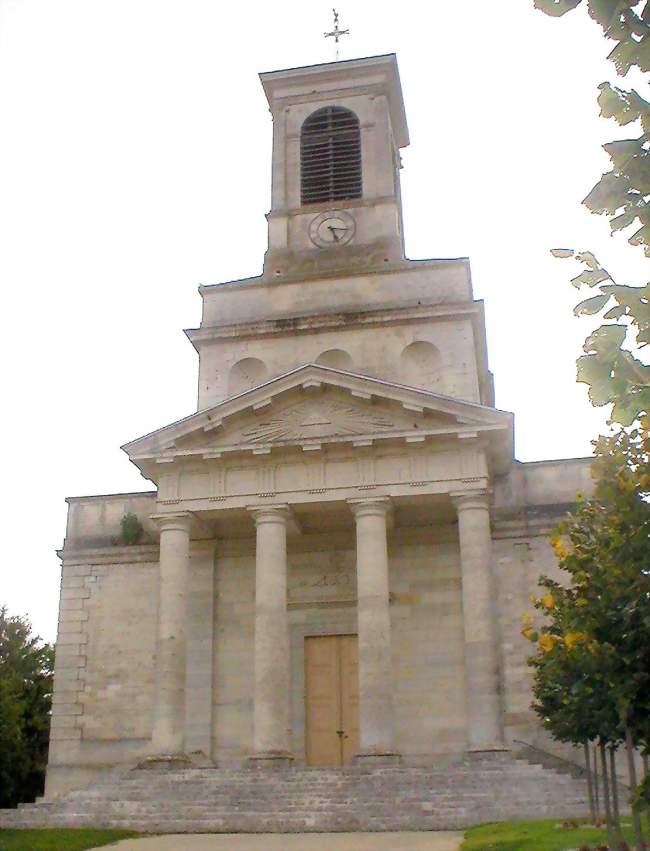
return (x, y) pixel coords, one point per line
(538, 756)
(467, 791)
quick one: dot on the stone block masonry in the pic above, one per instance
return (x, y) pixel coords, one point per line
(448, 795)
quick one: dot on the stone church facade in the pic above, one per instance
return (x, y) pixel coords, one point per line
(340, 543)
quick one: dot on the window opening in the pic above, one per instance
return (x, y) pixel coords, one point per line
(330, 156)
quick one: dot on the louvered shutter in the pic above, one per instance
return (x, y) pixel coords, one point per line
(330, 156)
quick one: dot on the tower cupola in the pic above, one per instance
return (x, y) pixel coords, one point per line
(337, 132)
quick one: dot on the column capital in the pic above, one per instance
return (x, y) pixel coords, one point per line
(180, 521)
(371, 505)
(270, 513)
(464, 500)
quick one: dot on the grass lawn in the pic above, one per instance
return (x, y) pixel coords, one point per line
(59, 840)
(534, 836)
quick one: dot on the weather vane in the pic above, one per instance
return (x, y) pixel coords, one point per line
(336, 33)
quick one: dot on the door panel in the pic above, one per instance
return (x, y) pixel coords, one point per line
(321, 688)
(349, 667)
(331, 697)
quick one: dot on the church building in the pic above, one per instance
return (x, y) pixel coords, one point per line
(332, 564)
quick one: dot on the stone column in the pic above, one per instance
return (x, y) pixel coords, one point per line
(272, 668)
(375, 664)
(167, 740)
(484, 723)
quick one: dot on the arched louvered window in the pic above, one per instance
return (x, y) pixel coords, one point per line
(330, 156)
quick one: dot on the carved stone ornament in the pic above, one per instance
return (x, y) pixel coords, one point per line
(309, 419)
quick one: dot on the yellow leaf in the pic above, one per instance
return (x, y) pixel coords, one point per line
(571, 639)
(558, 547)
(547, 642)
(529, 633)
(547, 601)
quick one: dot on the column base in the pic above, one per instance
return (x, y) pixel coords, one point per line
(493, 748)
(271, 759)
(166, 762)
(372, 758)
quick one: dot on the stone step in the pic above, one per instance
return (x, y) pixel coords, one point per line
(453, 795)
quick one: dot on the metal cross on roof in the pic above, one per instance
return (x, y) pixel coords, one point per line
(336, 33)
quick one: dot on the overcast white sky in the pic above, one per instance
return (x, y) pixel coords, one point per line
(135, 150)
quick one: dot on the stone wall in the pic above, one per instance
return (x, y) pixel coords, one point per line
(452, 371)
(104, 662)
(106, 641)
(108, 616)
(427, 636)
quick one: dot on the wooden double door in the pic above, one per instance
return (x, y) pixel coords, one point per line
(332, 699)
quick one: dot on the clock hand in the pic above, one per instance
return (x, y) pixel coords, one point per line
(333, 229)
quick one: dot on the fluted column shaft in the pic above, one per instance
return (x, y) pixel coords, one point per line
(484, 722)
(272, 672)
(376, 721)
(168, 731)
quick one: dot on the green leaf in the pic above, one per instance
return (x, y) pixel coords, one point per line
(641, 237)
(591, 368)
(633, 370)
(615, 312)
(641, 107)
(622, 221)
(623, 150)
(637, 170)
(600, 393)
(588, 259)
(625, 412)
(591, 305)
(590, 278)
(608, 14)
(606, 340)
(562, 252)
(615, 103)
(630, 52)
(609, 194)
(556, 8)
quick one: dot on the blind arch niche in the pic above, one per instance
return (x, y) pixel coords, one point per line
(330, 156)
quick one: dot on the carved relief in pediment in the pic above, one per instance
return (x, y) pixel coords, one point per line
(308, 420)
(313, 419)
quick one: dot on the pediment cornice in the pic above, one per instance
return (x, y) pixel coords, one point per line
(315, 405)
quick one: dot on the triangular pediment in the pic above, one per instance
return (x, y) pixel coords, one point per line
(315, 405)
(317, 414)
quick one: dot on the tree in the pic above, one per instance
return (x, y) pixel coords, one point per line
(624, 191)
(609, 366)
(592, 665)
(26, 672)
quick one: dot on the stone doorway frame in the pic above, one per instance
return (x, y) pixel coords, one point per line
(344, 624)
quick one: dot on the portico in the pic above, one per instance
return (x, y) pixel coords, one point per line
(332, 473)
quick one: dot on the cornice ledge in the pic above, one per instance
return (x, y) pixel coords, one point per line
(109, 554)
(320, 321)
(385, 269)
(348, 204)
(475, 432)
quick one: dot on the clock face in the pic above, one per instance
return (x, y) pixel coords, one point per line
(331, 229)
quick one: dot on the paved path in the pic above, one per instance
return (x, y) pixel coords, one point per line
(436, 841)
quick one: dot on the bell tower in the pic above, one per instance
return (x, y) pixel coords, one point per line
(335, 201)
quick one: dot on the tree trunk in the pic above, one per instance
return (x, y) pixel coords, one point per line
(609, 821)
(596, 787)
(636, 818)
(645, 763)
(615, 808)
(590, 784)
